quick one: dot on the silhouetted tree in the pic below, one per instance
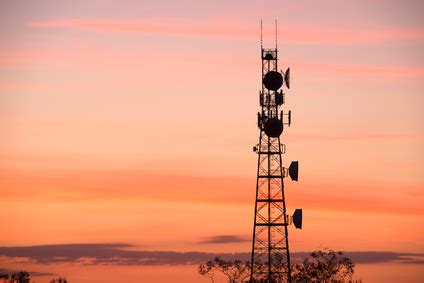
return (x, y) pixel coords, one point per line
(207, 269)
(324, 266)
(320, 266)
(59, 280)
(20, 277)
(236, 271)
(4, 276)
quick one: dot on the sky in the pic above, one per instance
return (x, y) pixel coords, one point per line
(133, 122)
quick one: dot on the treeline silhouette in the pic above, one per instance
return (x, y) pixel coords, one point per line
(320, 266)
(24, 277)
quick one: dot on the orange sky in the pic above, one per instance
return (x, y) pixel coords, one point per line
(134, 122)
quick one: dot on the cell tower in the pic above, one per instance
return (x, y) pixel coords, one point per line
(270, 260)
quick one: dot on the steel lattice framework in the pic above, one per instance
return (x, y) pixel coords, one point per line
(270, 261)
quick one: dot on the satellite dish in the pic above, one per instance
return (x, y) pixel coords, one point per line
(273, 80)
(297, 218)
(289, 116)
(294, 170)
(273, 127)
(287, 77)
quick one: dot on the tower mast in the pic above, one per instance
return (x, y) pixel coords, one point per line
(270, 259)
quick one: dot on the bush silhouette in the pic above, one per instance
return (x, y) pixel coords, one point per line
(320, 266)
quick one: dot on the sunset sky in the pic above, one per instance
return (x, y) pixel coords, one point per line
(134, 121)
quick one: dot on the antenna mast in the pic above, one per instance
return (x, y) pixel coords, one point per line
(276, 36)
(261, 34)
(270, 261)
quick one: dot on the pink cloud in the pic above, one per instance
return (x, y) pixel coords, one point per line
(93, 57)
(96, 185)
(229, 28)
(363, 136)
(359, 69)
(169, 26)
(100, 57)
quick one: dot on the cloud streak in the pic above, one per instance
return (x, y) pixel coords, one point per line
(360, 69)
(144, 185)
(120, 254)
(363, 136)
(115, 254)
(224, 239)
(99, 58)
(228, 28)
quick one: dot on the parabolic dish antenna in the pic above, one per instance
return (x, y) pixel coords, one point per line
(273, 80)
(273, 127)
(287, 77)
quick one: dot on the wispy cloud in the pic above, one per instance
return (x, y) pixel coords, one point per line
(116, 254)
(360, 69)
(362, 136)
(224, 239)
(228, 28)
(167, 26)
(124, 185)
(120, 254)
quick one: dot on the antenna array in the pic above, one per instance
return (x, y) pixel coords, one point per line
(270, 261)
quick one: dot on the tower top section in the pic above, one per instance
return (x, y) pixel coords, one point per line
(276, 35)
